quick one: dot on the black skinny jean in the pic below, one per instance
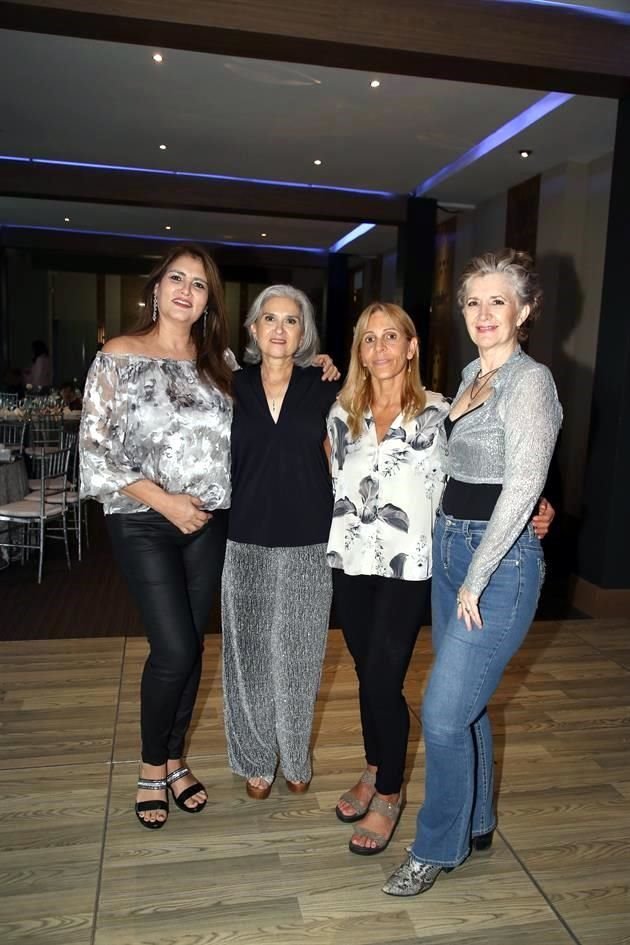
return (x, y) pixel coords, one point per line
(381, 618)
(173, 578)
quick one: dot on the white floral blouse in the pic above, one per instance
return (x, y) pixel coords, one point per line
(387, 493)
(153, 418)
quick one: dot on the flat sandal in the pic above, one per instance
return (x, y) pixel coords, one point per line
(392, 812)
(360, 810)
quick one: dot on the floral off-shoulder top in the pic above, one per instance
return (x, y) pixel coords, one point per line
(153, 418)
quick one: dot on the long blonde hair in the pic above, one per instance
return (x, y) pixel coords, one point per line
(356, 394)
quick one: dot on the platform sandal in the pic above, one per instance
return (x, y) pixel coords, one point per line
(187, 793)
(147, 784)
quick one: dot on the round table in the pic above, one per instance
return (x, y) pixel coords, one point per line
(13, 487)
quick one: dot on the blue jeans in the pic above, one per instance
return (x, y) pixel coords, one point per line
(468, 667)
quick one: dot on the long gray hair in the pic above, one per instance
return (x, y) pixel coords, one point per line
(309, 345)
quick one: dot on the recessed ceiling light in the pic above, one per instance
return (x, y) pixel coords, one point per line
(167, 227)
(157, 57)
(162, 147)
(524, 153)
(263, 234)
(141, 304)
(374, 84)
(317, 162)
(66, 219)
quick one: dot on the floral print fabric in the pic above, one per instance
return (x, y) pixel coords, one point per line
(153, 418)
(386, 494)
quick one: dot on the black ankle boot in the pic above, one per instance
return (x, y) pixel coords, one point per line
(483, 841)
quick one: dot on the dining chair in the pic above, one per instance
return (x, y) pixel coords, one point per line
(8, 401)
(37, 519)
(47, 432)
(12, 434)
(76, 503)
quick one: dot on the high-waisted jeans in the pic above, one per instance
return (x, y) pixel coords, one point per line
(172, 578)
(468, 666)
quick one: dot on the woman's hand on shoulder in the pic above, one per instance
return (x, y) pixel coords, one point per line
(435, 397)
(185, 512)
(329, 371)
(437, 401)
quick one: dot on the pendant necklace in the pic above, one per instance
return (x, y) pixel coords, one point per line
(486, 377)
(275, 401)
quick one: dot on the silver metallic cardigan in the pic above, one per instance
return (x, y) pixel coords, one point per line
(509, 439)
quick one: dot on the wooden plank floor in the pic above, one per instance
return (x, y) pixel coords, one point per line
(77, 869)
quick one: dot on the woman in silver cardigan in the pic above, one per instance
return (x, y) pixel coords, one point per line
(488, 565)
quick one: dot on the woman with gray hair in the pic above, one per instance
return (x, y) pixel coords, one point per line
(488, 565)
(277, 585)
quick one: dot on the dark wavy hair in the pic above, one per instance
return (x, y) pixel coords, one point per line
(518, 266)
(211, 345)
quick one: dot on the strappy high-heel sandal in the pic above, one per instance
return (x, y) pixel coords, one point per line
(360, 810)
(147, 784)
(187, 793)
(387, 809)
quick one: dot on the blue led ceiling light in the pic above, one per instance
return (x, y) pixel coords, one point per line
(494, 140)
(219, 177)
(352, 235)
(167, 239)
(615, 15)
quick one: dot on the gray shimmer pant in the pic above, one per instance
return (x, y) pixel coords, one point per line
(275, 609)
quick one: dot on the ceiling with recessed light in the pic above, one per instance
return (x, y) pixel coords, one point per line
(88, 101)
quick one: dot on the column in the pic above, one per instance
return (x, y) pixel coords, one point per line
(416, 264)
(603, 559)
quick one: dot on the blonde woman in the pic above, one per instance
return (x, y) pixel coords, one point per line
(385, 431)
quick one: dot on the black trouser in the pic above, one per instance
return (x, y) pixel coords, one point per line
(381, 618)
(173, 578)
